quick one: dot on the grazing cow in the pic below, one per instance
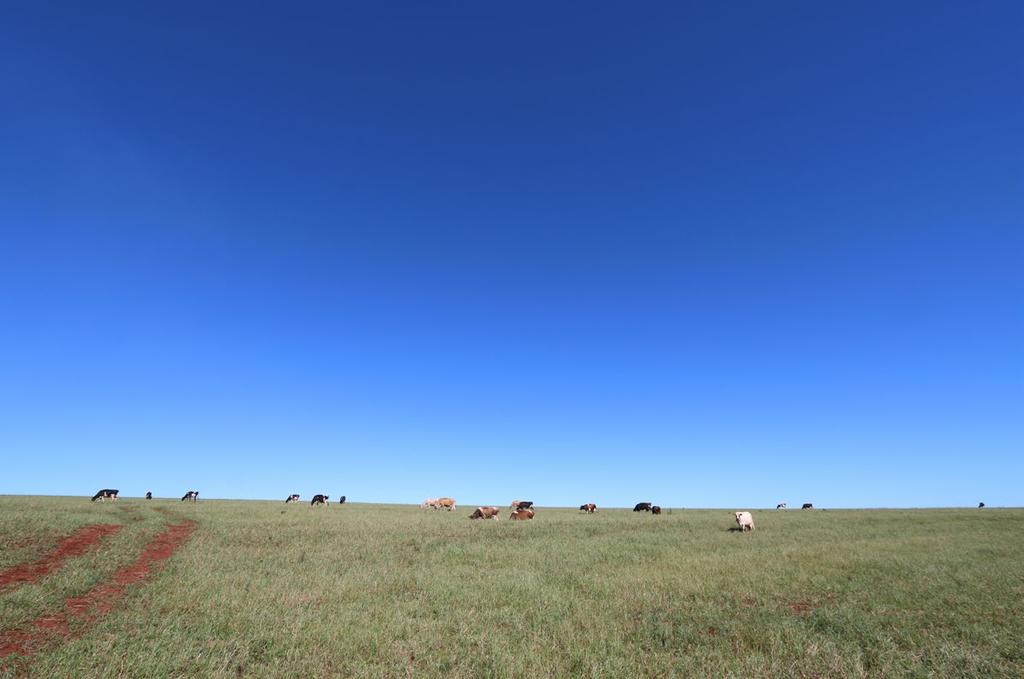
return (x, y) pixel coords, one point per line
(445, 503)
(319, 499)
(655, 509)
(807, 505)
(589, 508)
(342, 500)
(106, 494)
(642, 507)
(486, 513)
(190, 496)
(429, 503)
(521, 515)
(981, 505)
(745, 521)
(149, 495)
(781, 505)
(294, 497)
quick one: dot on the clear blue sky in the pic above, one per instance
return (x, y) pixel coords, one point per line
(704, 254)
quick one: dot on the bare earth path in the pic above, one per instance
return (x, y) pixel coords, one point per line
(76, 544)
(98, 601)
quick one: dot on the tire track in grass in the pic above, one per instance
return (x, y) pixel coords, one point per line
(98, 601)
(76, 544)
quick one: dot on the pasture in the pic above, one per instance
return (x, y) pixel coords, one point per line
(264, 589)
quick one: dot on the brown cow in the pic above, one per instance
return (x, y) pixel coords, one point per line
(486, 513)
(521, 515)
(589, 508)
(655, 509)
(445, 503)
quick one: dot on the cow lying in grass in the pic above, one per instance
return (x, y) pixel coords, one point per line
(486, 513)
(521, 515)
(106, 494)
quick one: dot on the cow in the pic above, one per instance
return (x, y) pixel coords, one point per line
(445, 503)
(655, 509)
(781, 505)
(981, 505)
(342, 500)
(429, 503)
(589, 508)
(106, 494)
(294, 497)
(807, 505)
(521, 515)
(521, 504)
(319, 499)
(190, 496)
(745, 521)
(642, 507)
(149, 495)
(486, 513)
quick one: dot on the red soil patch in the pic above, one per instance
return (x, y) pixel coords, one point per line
(99, 600)
(801, 607)
(76, 544)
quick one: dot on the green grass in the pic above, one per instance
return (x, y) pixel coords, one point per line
(264, 589)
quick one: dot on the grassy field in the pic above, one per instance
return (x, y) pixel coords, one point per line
(263, 589)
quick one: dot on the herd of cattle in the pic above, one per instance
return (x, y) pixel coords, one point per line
(521, 510)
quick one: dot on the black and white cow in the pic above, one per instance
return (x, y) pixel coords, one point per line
(106, 494)
(294, 497)
(319, 499)
(190, 496)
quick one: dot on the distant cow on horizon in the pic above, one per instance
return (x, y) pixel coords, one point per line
(589, 508)
(655, 509)
(981, 505)
(486, 513)
(149, 495)
(190, 496)
(106, 494)
(781, 505)
(642, 507)
(807, 505)
(342, 500)
(294, 497)
(319, 499)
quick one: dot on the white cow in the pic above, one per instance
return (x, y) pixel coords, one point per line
(745, 521)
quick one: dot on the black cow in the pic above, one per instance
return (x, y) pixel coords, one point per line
(342, 500)
(642, 507)
(149, 495)
(655, 509)
(294, 497)
(190, 496)
(523, 505)
(981, 505)
(807, 505)
(106, 494)
(319, 499)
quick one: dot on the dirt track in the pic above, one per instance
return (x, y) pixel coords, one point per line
(98, 601)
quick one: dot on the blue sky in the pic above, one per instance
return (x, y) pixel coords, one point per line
(701, 254)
